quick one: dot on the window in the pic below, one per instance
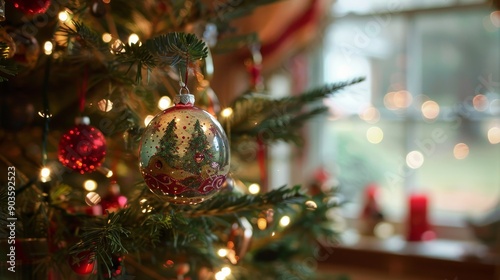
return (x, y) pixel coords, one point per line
(427, 118)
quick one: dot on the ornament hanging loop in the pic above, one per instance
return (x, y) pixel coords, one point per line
(184, 89)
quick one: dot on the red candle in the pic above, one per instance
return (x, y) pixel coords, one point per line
(418, 224)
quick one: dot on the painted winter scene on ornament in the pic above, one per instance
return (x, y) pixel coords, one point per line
(184, 155)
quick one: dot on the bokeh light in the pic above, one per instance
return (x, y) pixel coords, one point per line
(375, 135)
(461, 151)
(414, 159)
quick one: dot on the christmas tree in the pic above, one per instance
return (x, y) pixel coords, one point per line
(110, 62)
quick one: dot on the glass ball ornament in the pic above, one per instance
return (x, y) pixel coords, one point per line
(31, 7)
(27, 49)
(83, 263)
(184, 153)
(82, 148)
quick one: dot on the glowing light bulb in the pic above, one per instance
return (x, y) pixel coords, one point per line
(133, 38)
(164, 102)
(226, 113)
(262, 223)
(64, 16)
(45, 172)
(222, 252)
(254, 188)
(284, 221)
(48, 47)
(90, 185)
(109, 174)
(106, 37)
(226, 270)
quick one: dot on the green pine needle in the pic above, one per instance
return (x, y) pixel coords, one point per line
(177, 48)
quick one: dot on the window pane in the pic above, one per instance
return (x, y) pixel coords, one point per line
(434, 80)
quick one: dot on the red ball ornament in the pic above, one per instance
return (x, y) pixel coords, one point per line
(32, 7)
(116, 267)
(82, 263)
(184, 153)
(82, 148)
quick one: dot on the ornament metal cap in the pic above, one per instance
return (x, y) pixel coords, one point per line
(184, 98)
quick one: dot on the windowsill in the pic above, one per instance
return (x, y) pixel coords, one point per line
(394, 258)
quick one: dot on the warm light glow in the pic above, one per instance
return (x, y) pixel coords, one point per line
(414, 159)
(262, 223)
(430, 109)
(480, 102)
(402, 99)
(106, 37)
(226, 270)
(42, 114)
(164, 102)
(461, 151)
(222, 252)
(90, 185)
(494, 135)
(254, 188)
(311, 205)
(383, 230)
(220, 276)
(106, 1)
(133, 38)
(45, 172)
(284, 221)
(105, 105)
(370, 115)
(48, 47)
(109, 174)
(495, 18)
(273, 233)
(226, 113)
(374, 135)
(389, 101)
(148, 119)
(63, 16)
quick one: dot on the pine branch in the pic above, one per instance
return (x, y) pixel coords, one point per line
(283, 128)
(85, 37)
(230, 204)
(257, 114)
(177, 48)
